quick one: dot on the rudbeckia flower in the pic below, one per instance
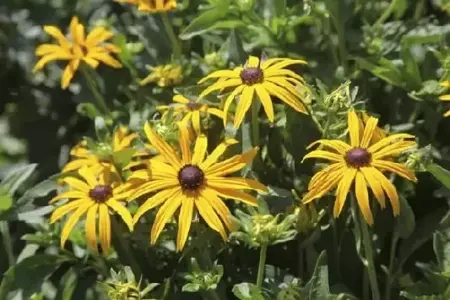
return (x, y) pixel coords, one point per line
(95, 196)
(194, 182)
(164, 75)
(81, 156)
(89, 49)
(152, 6)
(362, 162)
(265, 78)
(190, 111)
(445, 97)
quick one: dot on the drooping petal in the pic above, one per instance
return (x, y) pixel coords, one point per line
(68, 195)
(77, 184)
(369, 129)
(235, 183)
(324, 155)
(154, 201)
(337, 145)
(220, 74)
(184, 143)
(217, 153)
(232, 164)
(122, 211)
(220, 85)
(104, 224)
(343, 189)
(69, 72)
(245, 100)
(375, 186)
(323, 175)
(164, 214)
(362, 197)
(155, 185)
(209, 215)
(228, 102)
(184, 221)
(91, 227)
(394, 149)
(389, 189)
(200, 148)
(220, 208)
(73, 220)
(388, 140)
(321, 188)
(163, 148)
(66, 208)
(233, 194)
(285, 96)
(396, 168)
(196, 121)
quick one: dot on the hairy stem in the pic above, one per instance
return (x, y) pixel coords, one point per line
(262, 263)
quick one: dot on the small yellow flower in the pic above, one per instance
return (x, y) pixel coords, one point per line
(94, 196)
(157, 6)
(164, 75)
(445, 97)
(192, 181)
(80, 48)
(190, 111)
(81, 156)
(265, 78)
(363, 162)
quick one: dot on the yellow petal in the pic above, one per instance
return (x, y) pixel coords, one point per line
(68, 195)
(220, 74)
(163, 148)
(217, 153)
(57, 34)
(353, 128)
(50, 57)
(73, 220)
(362, 197)
(221, 209)
(200, 148)
(164, 214)
(396, 168)
(266, 101)
(232, 164)
(65, 209)
(220, 86)
(389, 188)
(77, 184)
(184, 143)
(69, 72)
(388, 140)
(322, 176)
(104, 225)
(393, 149)
(371, 126)
(154, 201)
(235, 183)
(196, 121)
(324, 155)
(122, 211)
(228, 102)
(337, 145)
(210, 216)
(184, 221)
(156, 185)
(375, 185)
(88, 176)
(46, 49)
(233, 194)
(285, 96)
(245, 100)
(321, 188)
(97, 36)
(91, 227)
(342, 190)
(106, 59)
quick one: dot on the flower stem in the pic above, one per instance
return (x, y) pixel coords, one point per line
(255, 124)
(387, 291)
(368, 250)
(92, 84)
(336, 13)
(172, 36)
(7, 242)
(262, 263)
(386, 14)
(123, 248)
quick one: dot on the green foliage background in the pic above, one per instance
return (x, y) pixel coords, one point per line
(395, 52)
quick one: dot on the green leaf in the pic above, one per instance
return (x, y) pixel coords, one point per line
(29, 274)
(441, 245)
(5, 199)
(67, 285)
(88, 110)
(236, 49)
(406, 221)
(411, 68)
(191, 287)
(16, 176)
(440, 174)
(247, 291)
(279, 7)
(123, 157)
(400, 8)
(382, 68)
(318, 287)
(209, 20)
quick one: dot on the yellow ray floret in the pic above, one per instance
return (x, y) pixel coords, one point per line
(152, 6)
(265, 79)
(89, 49)
(360, 163)
(445, 97)
(95, 196)
(193, 182)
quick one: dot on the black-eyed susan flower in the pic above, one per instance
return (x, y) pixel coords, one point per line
(157, 6)
(192, 183)
(264, 78)
(102, 157)
(190, 111)
(89, 49)
(445, 97)
(164, 75)
(95, 195)
(362, 162)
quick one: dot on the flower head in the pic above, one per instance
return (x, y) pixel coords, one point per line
(265, 78)
(95, 196)
(100, 158)
(445, 97)
(190, 111)
(192, 181)
(362, 161)
(164, 75)
(152, 6)
(89, 49)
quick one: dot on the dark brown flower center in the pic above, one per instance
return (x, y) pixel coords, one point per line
(193, 105)
(101, 193)
(191, 177)
(358, 157)
(251, 76)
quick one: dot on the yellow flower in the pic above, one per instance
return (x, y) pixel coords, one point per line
(82, 156)
(88, 49)
(265, 79)
(164, 75)
(156, 6)
(363, 162)
(192, 182)
(445, 97)
(93, 196)
(378, 133)
(190, 110)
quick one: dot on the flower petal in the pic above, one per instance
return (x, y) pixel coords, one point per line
(91, 227)
(164, 214)
(104, 223)
(73, 220)
(343, 189)
(154, 201)
(209, 215)
(362, 197)
(163, 148)
(184, 221)
(369, 129)
(245, 100)
(122, 211)
(201, 145)
(353, 128)
(235, 183)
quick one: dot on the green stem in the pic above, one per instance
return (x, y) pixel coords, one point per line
(92, 84)
(172, 36)
(123, 248)
(255, 124)
(335, 241)
(386, 14)
(334, 8)
(211, 295)
(262, 263)
(387, 291)
(7, 242)
(368, 250)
